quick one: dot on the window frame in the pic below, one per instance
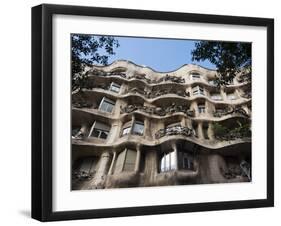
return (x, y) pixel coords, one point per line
(195, 76)
(201, 108)
(171, 165)
(113, 84)
(133, 128)
(230, 95)
(108, 101)
(198, 90)
(99, 130)
(215, 95)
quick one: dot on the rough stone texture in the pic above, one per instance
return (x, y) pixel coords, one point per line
(166, 104)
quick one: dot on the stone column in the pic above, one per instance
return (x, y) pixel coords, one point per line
(117, 107)
(238, 93)
(133, 122)
(195, 107)
(189, 90)
(200, 130)
(110, 171)
(189, 123)
(99, 179)
(208, 110)
(137, 164)
(223, 94)
(246, 109)
(210, 131)
(146, 131)
(183, 122)
(84, 128)
(175, 149)
(123, 88)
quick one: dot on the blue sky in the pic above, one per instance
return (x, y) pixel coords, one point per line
(160, 54)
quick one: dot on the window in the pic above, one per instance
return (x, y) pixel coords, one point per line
(106, 105)
(198, 90)
(100, 130)
(195, 75)
(125, 161)
(168, 162)
(201, 108)
(231, 96)
(216, 96)
(138, 128)
(75, 130)
(186, 161)
(126, 130)
(114, 87)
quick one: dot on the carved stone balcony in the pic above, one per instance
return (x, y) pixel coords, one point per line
(158, 110)
(175, 130)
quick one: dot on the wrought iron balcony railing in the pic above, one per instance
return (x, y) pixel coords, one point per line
(175, 130)
(157, 93)
(160, 111)
(229, 111)
(167, 77)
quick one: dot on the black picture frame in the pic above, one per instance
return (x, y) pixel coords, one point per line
(42, 111)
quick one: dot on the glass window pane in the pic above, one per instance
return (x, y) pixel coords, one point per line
(107, 105)
(103, 134)
(126, 130)
(75, 131)
(110, 108)
(186, 162)
(100, 130)
(231, 96)
(172, 160)
(138, 128)
(168, 162)
(95, 133)
(115, 87)
(195, 75)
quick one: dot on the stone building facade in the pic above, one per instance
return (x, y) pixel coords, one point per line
(133, 126)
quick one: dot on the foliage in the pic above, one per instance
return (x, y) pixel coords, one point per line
(86, 50)
(242, 130)
(229, 58)
(220, 130)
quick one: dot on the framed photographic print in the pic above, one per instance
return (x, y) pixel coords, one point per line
(145, 112)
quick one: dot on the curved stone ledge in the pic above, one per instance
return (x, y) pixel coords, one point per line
(110, 117)
(185, 84)
(166, 96)
(134, 139)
